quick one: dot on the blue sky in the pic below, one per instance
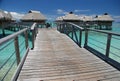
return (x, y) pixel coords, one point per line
(54, 8)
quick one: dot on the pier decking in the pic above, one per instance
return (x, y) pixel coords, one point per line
(56, 57)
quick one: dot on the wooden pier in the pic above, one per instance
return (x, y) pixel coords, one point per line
(56, 57)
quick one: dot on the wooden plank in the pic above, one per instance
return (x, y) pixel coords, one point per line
(57, 58)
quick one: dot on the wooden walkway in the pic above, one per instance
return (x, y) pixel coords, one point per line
(57, 58)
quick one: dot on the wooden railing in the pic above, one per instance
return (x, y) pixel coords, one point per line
(70, 30)
(75, 33)
(108, 51)
(34, 31)
(14, 39)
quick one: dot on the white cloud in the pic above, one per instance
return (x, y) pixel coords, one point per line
(81, 10)
(6, 12)
(116, 18)
(60, 11)
(16, 15)
(82, 15)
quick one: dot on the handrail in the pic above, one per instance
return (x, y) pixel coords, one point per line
(5, 39)
(106, 57)
(14, 37)
(75, 32)
(106, 32)
(16, 74)
(71, 29)
(33, 26)
(76, 25)
(34, 31)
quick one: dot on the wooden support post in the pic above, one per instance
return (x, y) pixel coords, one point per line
(36, 30)
(57, 27)
(72, 31)
(64, 28)
(67, 29)
(86, 37)
(16, 43)
(3, 29)
(108, 44)
(33, 35)
(60, 28)
(76, 37)
(80, 38)
(26, 39)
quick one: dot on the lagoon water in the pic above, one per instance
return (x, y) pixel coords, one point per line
(96, 40)
(116, 27)
(8, 62)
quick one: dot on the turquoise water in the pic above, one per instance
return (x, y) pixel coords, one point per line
(96, 41)
(116, 27)
(8, 57)
(7, 32)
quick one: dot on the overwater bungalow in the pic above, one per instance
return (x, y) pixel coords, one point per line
(103, 22)
(5, 19)
(59, 19)
(71, 17)
(5, 16)
(34, 16)
(87, 21)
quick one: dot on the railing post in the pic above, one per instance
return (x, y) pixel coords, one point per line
(63, 28)
(3, 29)
(86, 37)
(57, 27)
(35, 32)
(80, 38)
(37, 26)
(66, 28)
(72, 31)
(16, 43)
(33, 35)
(108, 44)
(26, 39)
(60, 28)
(76, 37)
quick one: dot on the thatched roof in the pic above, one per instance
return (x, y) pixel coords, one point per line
(104, 17)
(5, 15)
(9, 15)
(13, 19)
(87, 18)
(71, 16)
(33, 16)
(60, 18)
